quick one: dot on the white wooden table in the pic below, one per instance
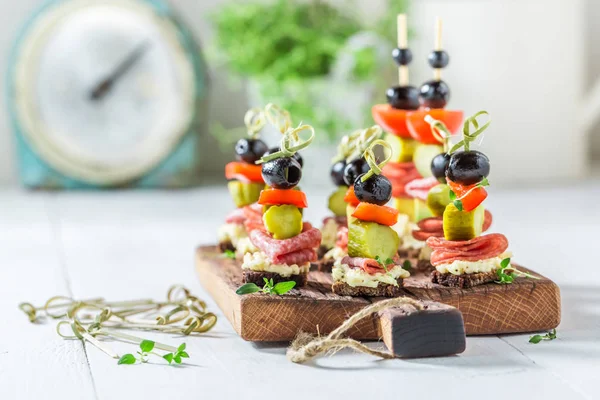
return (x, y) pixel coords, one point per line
(128, 245)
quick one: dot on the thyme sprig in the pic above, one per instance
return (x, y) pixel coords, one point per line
(384, 264)
(507, 273)
(269, 287)
(551, 335)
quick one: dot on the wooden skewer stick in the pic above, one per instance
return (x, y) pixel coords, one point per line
(437, 72)
(402, 44)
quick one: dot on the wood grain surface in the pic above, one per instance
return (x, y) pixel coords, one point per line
(527, 305)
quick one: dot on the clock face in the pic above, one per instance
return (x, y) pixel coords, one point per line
(104, 89)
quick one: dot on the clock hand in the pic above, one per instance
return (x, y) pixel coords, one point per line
(106, 84)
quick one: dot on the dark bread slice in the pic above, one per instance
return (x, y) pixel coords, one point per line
(322, 250)
(463, 281)
(409, 253)
(325, 265)
(382, 290)
(257, 277)
(224, 246)
(424, 266)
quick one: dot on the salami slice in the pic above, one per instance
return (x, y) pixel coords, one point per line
(309, 239)
(237, 216)
(487, 220)
(399, 175)
(342, 238)
(419, 188)
(366, 264)
(479, 248)
(342, 221)
(298, 257)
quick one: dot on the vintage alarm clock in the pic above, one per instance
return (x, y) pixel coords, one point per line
(106, 93)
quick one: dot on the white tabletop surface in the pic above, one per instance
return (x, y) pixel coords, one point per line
(124, 245)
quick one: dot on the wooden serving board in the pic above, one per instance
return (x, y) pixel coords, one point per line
(527, 305)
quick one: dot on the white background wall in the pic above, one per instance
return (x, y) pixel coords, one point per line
(226, 106)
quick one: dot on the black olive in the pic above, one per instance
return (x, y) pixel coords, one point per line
(402, 56)
(337, 172)
(434, 94)
(250, 150)
(403, 97)
(376, 190)
(282, 173)
(439, 164)
(438, 59)
(296, 156)
(468, 167)
(353, 169)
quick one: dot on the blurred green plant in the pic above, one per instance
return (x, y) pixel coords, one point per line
(286, 45)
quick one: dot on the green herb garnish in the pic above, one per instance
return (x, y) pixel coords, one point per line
(535, 339)
(407, 265)
(269, 288)
(387, 262)
(146, 347)
(177, 356)
(229, 254)
(457, 203)
(507, 273)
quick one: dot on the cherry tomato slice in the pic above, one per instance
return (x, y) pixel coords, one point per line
(244, 172)
(277, 197)
(391, 119)
(421, 130)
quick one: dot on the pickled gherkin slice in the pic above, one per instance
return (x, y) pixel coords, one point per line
(283, 222)
(336, 202)
(370, 239)
(421, 210)
(405, 205)
(402, 148)
(463, 225)
(423, 155)
(244, 193)
(438, 198)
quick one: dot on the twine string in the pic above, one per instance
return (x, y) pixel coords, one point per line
(305, 346)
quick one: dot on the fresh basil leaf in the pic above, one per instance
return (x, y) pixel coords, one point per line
(505, 263)
(552, 334)
(266, 280)
(127, 359)
(177, 359)
(284, 287)
(147, 346)
(181, 347)
(378, 259)
(168, 357)
(535, 339)
(183, 354)
(406, 265)
(389, 261)
(247, 289)
(452, 195)
(484, 182)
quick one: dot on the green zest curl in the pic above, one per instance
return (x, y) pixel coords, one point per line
(347, 146)
(369, 155)
(291, 143)
(439, 131)
(469, 136)
(278, 117)
(366, 138)
(254, 120)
